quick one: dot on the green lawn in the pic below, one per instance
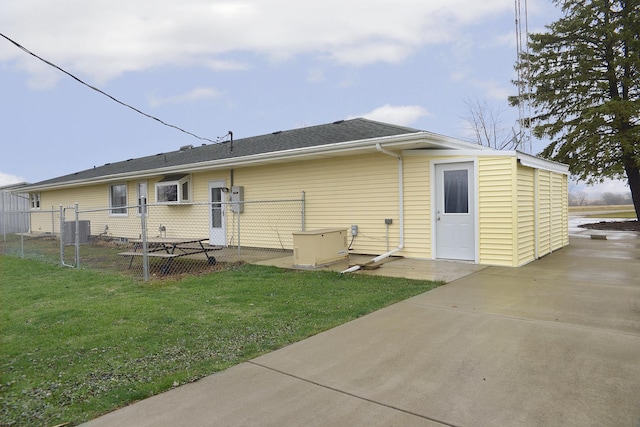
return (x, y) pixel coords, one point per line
(601, 208)
(617, 214)
(78, 343)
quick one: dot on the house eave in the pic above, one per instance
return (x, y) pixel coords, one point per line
(523, 158)
(538, 163)
(397, 142)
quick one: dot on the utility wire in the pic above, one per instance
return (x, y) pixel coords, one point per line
(104, 93)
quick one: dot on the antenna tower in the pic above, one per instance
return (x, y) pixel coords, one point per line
(523, 133)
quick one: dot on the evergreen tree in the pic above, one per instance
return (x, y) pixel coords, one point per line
(584, 80)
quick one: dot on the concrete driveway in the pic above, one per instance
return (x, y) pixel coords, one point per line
(554, 343)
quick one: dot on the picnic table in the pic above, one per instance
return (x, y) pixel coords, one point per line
(169, 248)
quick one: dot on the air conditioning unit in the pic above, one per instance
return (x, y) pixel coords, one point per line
(69, 235)
(316, 248)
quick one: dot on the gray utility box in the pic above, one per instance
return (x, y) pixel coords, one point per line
(237, 199)
(69, 236)
(320, 247)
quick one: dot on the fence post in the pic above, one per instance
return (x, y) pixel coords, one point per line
(77, 236)
(143, 226)
(21, 235)
(62, 236)
(238, 240)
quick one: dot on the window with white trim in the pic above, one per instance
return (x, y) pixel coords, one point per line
(173, 189)
(118, 199)
(35, 200)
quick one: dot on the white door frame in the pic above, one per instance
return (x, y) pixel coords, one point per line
(434, 193)
(217, 236)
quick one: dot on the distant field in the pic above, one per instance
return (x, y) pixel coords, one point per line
(607, 208)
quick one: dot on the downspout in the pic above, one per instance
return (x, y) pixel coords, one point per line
(400, 211)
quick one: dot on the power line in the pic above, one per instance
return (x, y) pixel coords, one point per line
(523, 138)
(103, 92)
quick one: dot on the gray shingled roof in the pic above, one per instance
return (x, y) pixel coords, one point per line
(341, 131)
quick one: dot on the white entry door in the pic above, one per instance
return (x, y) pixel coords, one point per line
(217, 208)
(455, 211)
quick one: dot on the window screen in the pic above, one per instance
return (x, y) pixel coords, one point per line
(118, 196)
(216, 208)
(167, 193)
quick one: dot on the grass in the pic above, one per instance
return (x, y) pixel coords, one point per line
(79, 343)
(617, 214)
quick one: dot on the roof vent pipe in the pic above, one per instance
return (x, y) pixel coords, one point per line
(400, 211)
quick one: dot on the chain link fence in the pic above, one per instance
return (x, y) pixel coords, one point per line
(31, 234)
(158, 240)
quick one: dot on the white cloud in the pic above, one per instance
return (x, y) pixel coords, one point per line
(197, 94)
(106, 39)
(494, 90)
(403, 115)
(8, 179)
(226, 65)
(315, 75)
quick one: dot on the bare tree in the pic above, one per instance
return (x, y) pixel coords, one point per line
(487, 124)
(577, 198)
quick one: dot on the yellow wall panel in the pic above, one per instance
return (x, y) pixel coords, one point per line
(417, 207)
(559, 209)
(361, 190)
(495, 210)
(544, 212)
(526, 215)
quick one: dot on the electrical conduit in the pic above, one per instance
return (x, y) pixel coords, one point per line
(400, 211)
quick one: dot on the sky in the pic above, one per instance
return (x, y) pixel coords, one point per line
(247, 66)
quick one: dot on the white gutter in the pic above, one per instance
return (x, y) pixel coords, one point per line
(538, 163)
(400, 211)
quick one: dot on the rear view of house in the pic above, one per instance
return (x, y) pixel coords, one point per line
(395, 190)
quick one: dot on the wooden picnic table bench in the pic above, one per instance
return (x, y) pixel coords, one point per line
(169, 248)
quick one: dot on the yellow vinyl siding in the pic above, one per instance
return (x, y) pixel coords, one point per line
(495, 208)
(564, 183)
(553, 211)
(417, 208)
(87, 197)
(200, 183)
(190, 220)
(180, 220)
(96, 200)
(526, 215)
(559, 209)
(360, 190)
(544, 212)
